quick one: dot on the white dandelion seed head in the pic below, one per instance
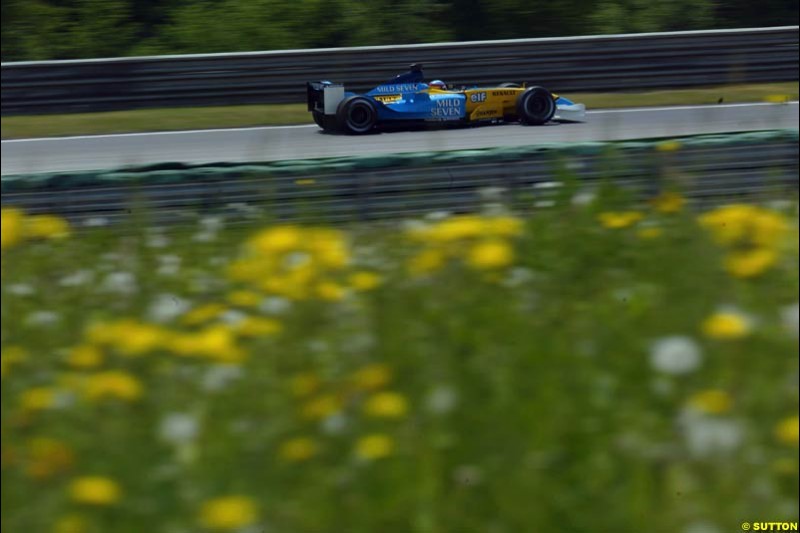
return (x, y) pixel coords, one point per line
(218, 377)
(790, 318)
(157, 241)
(335, 424)
(178, 428)
(20, 289)
(275, 305)
(42, 318)
(167, 307)
(675, 355)
(708, 436)
(518, 276)
(212, 223)
(77, 278)
(233, 316)
(434, 216)
(205, 236)
(442, 399)
(120, 283)
(584, 197)
(96, 222)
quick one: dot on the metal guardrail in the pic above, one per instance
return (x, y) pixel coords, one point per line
(595, 63)
(706, 174)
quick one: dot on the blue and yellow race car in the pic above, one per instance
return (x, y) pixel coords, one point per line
(408, 98)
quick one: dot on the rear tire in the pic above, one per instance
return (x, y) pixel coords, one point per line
(536, 106)
(356, 115)
(327, 123)
(510, 85)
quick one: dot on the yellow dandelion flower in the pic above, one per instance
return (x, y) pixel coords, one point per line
(11, 357)
(364, 281)
(228, 512)
(11, 227)
(46, 227)
(649, 233)
(490, 254)
(745, 225)
(277, 240)
(321, 407)
(298, 449)
(216, 342)
(372, 377)
(85, 356)
(304, 384)
(71, 523)
(128, 336)
(712, 401)
(386, 405)
(668, 202)
(618, 220)
(38, 398)
(426, 261)
(750, 263)
(328, 248)
(726, 326)
(254, 326)
(503, 226)
(94, 490)
(328, 290)
(457, 228)
(203, 313)
(113, 384)
(243, 298)
(787, 430)
(374, 446)
(48, 457)
(668, 146)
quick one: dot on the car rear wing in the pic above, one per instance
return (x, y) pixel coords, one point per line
(324, 96)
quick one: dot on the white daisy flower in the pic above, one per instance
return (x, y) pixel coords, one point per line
(675, 355)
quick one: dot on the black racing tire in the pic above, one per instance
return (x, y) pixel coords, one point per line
(510, 85)
(319, 118)
(356, 115)
(536, 106)
(327, 123)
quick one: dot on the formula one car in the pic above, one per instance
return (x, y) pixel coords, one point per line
(408, 98)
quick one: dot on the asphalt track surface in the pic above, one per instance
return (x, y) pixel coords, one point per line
(303, 142)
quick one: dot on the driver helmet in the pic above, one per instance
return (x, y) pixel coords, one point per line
(438, 84)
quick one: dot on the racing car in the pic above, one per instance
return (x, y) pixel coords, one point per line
(408, 98)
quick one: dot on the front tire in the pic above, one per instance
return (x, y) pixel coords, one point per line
(356, 115)
(536, 106)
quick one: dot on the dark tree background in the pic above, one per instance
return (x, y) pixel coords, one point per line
(68, 29)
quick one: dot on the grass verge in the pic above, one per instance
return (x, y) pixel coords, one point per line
(190, 118)
(600, 366)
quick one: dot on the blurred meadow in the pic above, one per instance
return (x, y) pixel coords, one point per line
(604, 365)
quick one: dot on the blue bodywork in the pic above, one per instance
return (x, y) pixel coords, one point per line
(408, 97)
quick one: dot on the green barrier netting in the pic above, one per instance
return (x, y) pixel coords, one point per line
(174, 172)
